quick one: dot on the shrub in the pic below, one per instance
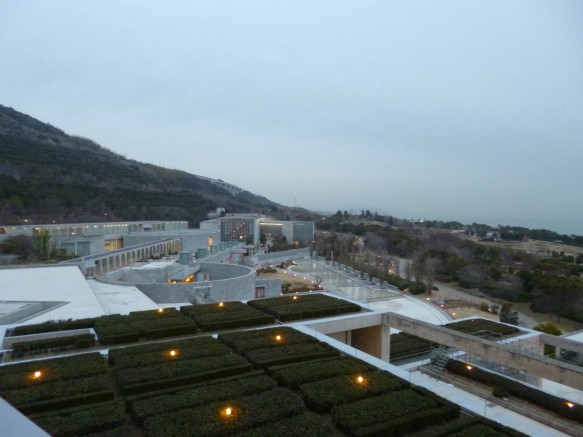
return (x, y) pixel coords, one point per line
(57, 389)
(248, 412)
(53, 326)
(263, 358)
(296, 374)
(191, 343)
(305, 424)
(162, 356)
(171, 374)
(380, 409)
(95, 419)
(143, 408)
(323, 395)
(81, 341)
(14, 376)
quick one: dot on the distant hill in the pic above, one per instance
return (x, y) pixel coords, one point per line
(47, 175)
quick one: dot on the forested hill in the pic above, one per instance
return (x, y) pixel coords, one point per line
(47, 175)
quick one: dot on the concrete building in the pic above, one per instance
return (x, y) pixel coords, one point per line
(249, 228)
(84, 239)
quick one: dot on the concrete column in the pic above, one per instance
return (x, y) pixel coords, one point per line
(386, 343)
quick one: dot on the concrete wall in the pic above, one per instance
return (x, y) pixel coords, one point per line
(172, 293)
(191, 240)
(368, 340)
(282, 256)
(9, 341)
(272, 286)
(504, 354)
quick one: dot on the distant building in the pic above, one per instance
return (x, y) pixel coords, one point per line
(249, 228)
(83, 239)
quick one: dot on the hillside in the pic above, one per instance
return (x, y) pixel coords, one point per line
(47, 175)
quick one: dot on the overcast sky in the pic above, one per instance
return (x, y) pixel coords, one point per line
(455, 110)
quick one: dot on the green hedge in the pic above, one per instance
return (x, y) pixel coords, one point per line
(262, 358)
(380, 409)
(304, 306)
(266, 338)
(403, 344)
(226, 315)
(215, 322)
(191, 343)
(99, 418)
(472, 326)
(410, 423)
(208, 420)
(14, 376)
(296, 374)
(172, 374)
(59, 325)
(183, 352)
(143, 408)
(116, 329)
(81, 341)
(170, 331)
(307, 424)
(321, 396)
(64, 403)
(120, 431)
(516, 388)
(57, 389)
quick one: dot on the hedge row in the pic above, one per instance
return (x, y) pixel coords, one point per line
(305, 306)
(211, 420)
(266, 338)
(81, 341)
(198, 342)
(143, 408)
(181, 353)
(226, 315)
(403, 344)
(116, 329)
(306, 424)
(262, 358)
(516, 388)
(14, 376)
(57, 389)
(472, 326)
(53, 326)
(176, 373)
(382, 410)
(321, 396)
(296, 374)
(91, 420)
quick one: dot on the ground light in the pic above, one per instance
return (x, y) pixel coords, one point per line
(570, 405)
(221, 304)
(173, 353)
(37, 374)
(278, 337)
(469, 367)
(160, 310)
(228, 412)
(360, 379)
(295, 298)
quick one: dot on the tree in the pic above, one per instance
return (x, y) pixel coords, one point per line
(548, 328)
(20, 245)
